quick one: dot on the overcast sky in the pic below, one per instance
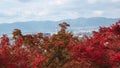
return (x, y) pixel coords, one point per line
(28, 10)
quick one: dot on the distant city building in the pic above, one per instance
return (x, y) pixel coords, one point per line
(81, 34)
(47, 34)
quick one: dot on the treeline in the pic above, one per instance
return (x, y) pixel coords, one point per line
(62, 50)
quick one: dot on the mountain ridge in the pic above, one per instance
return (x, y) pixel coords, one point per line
(52, 26)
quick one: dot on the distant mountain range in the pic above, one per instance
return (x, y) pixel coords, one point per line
(76, 25)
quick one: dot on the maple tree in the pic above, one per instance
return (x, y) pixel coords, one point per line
(62, 50)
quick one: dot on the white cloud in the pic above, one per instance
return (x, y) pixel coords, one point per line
(67, 15)
(102, 1)
(59, 2)
(91, 1)
(20, 10)
(98, 12)
(8, 0)
(115, 0)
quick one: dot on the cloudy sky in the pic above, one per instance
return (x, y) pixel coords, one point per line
(28, 10)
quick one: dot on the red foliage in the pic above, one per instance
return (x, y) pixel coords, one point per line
(102, 49)
(62, 50)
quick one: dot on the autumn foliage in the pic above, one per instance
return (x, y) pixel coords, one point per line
(62, 50)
